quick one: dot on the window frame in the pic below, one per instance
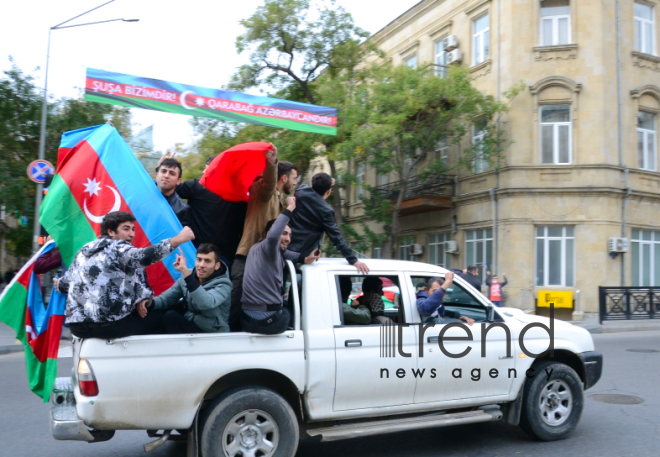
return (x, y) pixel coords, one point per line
(440, 58)
(479, 36)
(486, 257)
(546, 257)
(360, 175)
(479, 161)
(408, 59)
(555, 136)
(654, 248)
(405, 242)
(555, 30)
(639, 22)
(435, 243)
(646, 133)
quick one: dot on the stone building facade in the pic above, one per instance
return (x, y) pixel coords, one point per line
(583, 163)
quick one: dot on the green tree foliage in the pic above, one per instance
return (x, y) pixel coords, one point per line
(409, 111)
(20, 121)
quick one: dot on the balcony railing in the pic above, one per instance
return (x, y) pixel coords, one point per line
(629, 303)
(433, 186)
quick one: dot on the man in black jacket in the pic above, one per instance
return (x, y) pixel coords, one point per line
(213, 219)
(313, 217)
(471, 275)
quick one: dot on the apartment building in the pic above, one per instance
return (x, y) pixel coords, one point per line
(582, 166)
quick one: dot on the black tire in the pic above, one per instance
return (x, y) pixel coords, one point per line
(249, 421)
(552, 406)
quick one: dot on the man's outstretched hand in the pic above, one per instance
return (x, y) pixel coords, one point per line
(271, 155)
(313, 257)
(142, 308)
(184, 236)
(361, 267)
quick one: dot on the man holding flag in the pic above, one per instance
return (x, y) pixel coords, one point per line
(107, 281)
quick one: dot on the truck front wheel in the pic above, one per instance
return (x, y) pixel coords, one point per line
(552, 402)
(249, 421)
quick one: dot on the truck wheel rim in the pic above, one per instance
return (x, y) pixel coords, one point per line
(556, 402)
(251, 433)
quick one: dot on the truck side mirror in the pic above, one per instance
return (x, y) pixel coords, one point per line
(491, 313)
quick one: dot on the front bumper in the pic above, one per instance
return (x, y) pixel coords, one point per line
(593, 367)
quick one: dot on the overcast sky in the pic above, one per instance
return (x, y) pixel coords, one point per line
(189, 42)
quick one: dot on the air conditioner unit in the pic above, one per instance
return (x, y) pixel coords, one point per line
(416, 249)
(450, 43)
(454, 56)
(451, 247)
(617, 245)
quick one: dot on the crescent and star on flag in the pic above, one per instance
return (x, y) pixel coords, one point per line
(92, 187)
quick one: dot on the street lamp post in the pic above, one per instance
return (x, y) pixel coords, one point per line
(44, 114)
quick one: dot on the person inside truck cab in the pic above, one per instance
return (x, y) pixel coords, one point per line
(206, 294)
(372, 288)
(106, 281)
(430, 300)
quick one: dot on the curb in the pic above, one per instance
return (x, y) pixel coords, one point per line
(10, 348)
(620, 327)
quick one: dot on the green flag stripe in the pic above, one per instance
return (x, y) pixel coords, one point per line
(12, 309)
(63, 219)
(234, 117)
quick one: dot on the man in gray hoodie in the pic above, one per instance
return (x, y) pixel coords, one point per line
(263, 310)
(206, 294)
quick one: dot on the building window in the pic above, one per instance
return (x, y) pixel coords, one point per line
(644, 28)
(377, 253)
(442, 150)
(556, 134)
(479, 249)
(645, 246)
(555, 256)
(359, 175)
(410, 61)
(405, 245)
(555, 22)
(480, 39)
(382, 179)
(480, 160)
(440, 59)
(647, 141)
(437, 252)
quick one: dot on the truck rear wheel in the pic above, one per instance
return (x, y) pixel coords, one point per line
(552, 402)
(249, 422)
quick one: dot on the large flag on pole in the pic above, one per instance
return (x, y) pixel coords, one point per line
(38, 328)
(136, 92)
(97, 173)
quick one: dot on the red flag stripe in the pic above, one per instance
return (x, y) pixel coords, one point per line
(84, 167)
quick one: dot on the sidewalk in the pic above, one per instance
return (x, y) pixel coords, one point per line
(9, 343)
(592, 324)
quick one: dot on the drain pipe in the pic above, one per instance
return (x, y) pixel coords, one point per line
(493, 204)
(624, 208)
(620, 140)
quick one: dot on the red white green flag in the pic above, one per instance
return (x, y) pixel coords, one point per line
(37, 327)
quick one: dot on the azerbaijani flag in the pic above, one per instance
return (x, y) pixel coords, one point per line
(97, 173)
(38, 328)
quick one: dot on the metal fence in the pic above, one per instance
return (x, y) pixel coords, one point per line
(438, 185)
(629, 303)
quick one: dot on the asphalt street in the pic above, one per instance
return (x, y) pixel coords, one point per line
(605, 429)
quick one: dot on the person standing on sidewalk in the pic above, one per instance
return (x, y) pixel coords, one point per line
(265, 204)
(495, 288)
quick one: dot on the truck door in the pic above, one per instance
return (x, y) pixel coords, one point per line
(369, 370)
(470, 376)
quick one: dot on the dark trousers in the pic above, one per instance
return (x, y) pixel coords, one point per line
(132, 324)
(175, 322)
(270, 326)
(237, 270)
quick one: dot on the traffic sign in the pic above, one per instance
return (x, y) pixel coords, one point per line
(38, 170)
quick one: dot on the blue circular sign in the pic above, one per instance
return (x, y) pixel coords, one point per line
(38, 170)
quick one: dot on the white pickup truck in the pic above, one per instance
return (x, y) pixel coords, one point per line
(244, 394)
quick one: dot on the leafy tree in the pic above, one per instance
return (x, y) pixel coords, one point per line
(409, 112)
(296, 46)
(20, 122)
